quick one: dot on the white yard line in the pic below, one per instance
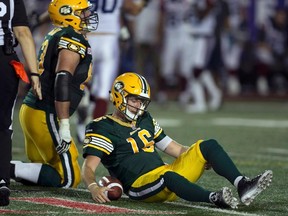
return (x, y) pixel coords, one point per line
(272, 154)
(169, 122)
(265, 123)
(279, 151)
(230, 212)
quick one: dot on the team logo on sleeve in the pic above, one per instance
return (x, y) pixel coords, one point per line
(87, 140)
(65, 10)
(157, 127)
(73, 47)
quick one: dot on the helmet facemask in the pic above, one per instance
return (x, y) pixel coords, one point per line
(89, 19)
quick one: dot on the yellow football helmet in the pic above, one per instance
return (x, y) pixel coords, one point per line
(75, 13)
(130, 84)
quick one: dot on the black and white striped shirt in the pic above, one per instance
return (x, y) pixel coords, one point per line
(12, 13)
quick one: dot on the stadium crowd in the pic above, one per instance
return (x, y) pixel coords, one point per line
(244, 51)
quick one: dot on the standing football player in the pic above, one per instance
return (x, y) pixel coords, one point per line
(125, 143)
(64, 66)
(200, 26)
(173, 59)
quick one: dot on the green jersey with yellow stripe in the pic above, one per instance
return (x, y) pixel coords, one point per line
(56, 40)
(127, 150)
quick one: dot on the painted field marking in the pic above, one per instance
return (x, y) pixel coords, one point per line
(265, 123)
(230, 212)
(185, 204)
(24, 212)
(279, 151)
(88, 207)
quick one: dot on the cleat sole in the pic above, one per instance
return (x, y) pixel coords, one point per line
(263, 183)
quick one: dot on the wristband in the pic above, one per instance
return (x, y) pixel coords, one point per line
(64, 130)
(65, 122)
(93, 183)
(34, 74)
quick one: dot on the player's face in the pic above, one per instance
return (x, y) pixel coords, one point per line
(134, 103)
(83, 14)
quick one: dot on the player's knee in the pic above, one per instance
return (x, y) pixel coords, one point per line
(49, 177)
(209, 147)
(170, 178)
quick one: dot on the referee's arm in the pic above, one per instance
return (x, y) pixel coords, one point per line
(25, 39)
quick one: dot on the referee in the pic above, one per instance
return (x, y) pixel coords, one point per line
(13, 29)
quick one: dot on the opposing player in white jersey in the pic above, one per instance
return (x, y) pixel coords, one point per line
(201, 30)
(105, 51)
(173, 61)
(233, 38)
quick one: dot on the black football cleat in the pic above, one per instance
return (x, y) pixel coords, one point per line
(248, 189)
(224, 198)
(4, 194)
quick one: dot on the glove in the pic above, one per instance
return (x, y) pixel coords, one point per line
(124, 34)
(65, 137)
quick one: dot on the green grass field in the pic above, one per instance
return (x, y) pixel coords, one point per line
(255, 134)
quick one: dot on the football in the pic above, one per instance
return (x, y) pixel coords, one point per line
(114, 184)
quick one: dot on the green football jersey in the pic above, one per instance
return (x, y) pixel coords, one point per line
(127, 151)
(56, 40)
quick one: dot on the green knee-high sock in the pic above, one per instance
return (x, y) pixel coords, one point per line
(220, 160)
(184, 188)
(49, 177)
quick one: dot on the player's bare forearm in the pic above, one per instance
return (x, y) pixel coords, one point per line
(175, 149)
(88, 169)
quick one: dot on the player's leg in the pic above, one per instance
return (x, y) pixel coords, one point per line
(65, 164)
(30, 173)
(168, 65)
(8, 87)
(205, 47)
(105, 72)
(177, 179)
(196, 88)
(163, 184)
(231, 59)
(222, 164)
(47, 168)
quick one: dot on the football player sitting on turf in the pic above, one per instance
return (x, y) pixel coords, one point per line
(125, 143)
(64, 65)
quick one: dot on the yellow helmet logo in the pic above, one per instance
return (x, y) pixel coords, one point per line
(65, 10)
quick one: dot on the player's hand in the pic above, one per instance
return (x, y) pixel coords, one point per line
(36, 86)
(63, 147)
(65, 137)
(98, 193)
